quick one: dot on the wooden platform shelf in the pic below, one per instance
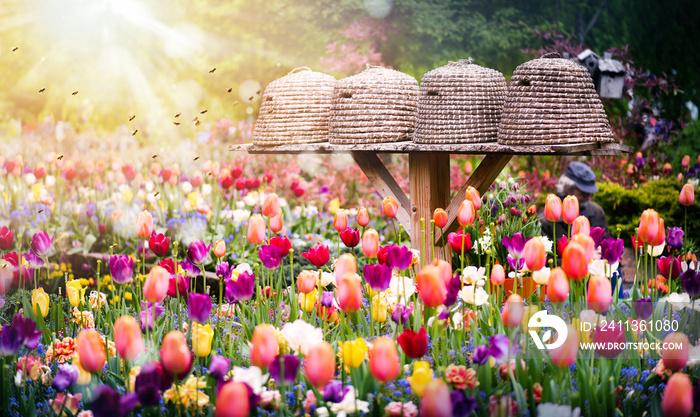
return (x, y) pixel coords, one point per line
(429, 171)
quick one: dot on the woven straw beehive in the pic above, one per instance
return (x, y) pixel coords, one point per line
(552, 101)
(375, 106)
(295, 109)
(460, 103)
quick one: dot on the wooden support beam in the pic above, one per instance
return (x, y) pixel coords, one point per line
(481, 179)
(381, 179)
(430, 189)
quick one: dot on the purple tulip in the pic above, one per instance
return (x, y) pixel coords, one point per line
(462, 406)
(122, 268)
(190, 269)
(26, 328)
(33, 260)
(334, 391)
(291, 367)
(452, 290)
(223, 270)
(67, 375)
(242, 289)
(611, 249)
(107, 402)
(516, 264)
(597, 234)
(401, 314)
(481, 354)
(691, 283)
(643, 308)
(198, 307)
(377, 276)
(270, 256)
(219, 367)
(327, 299)
(499, 346)
(399, 257)
(515, 245)
(147, 385)
(10, 341)
(41, 243)
(674, 238)
(149, 314)
(197, 252)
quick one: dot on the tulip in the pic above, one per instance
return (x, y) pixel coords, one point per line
(440, 218)
(586, 243)
(599, 293)
(264, 345)
(320, 364)
(5, 238)
(669, 266)
(552, 208)
(91, 349)
(75, 292)
(144, 225)
(175, 356)
(40, 302)
(685, 162)
(650, 227)
(445, 270)
(197, 252)
(122, 268)
(270, 256)
(350, 237)
(377, 276)
(379, 308)
(676, 352)
(513, 311)
(597, 233)
(127, 337)
(271, 205)
(148, 382)
(384, 360)
(220, 249)
(534, 254)
(67, 375)
(570, 209)
(565, 355)
(436, 401)
(349, 292)
(354, 352)
(498, 275)
(306, 281)
(290, 365)
(277, 223)
(643, 308)
(460, 242)
(674, 238)
(219, 367)
(242, 289)
(466, 213)
(687, 195)
(156, 286)
(472, 194)
(233, 400)
(362, 217)
(399, 257)
(345, 263)
(611, 249)
(198, 307)
(202, 336)
(574, 262)
(390, 206)
(581, 225)
(414, 344)
(678, 396)
(431, 286)
(558, 286)
(159, 244)
(610, 340)
(370, 243)
(308, 301)
(318, 255)
(256, 229)
(340, 222)
(41, 243)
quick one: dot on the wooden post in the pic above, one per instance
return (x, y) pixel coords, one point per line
(429, 175)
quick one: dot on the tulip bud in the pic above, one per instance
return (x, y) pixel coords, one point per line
(440, 218)
(271, 205)
(581, 225)
(256, 229)
(558, 286)
(472, 194)
(350, 292)
(362, 217)
(678, 396)
(264, 345)
(687, 195)
(384, 360)
(685, 162)
(127, 337)
(599, 293)
(156, 286)
(40, 302)
(565, 355)
(574, 261)
(320, 364)
(91, 349)
(534, 254)
(370, 243)
(552, 208)
(431, 286)
(651, 228)
(346, 263)
(390, 206)
(144, 225)
(513, 311)
(498, 275)
(676, 352)
(233, 400)
(444, 269)
(570, 209)
(220, 248)
(306, 281)
(340, 222)
(586, 243)
(277, 223)
(466, 213)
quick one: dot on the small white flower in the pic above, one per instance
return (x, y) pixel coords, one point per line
(556, 410)
(301, 335)
(473, 295)
(547, 242)
(590, 316)
(206, 189)
(678, 301)
(327, 279)
(149, 185)
(30, 179)
(458, 320)
(472, 274)
(349, 405)
(251, 199)
(50, 180)
(656, 250)
(252, 376)
(541, 277)
(694, 356)
(240, 216)
(19, 381)
(401, 287)
(186, 187)
(244, 267)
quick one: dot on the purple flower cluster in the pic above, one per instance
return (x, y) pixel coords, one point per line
(22, 332)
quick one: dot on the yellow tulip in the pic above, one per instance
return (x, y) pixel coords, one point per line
(379, 307)
(84, 377)
(127, 195)
(308, 301)
(334, 205)
(192, 198)
(75, 292)
(421, 377)
(354, 352)
(584, 336)
(529, 312)
(40, 301)
(201, 339)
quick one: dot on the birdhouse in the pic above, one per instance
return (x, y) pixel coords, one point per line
(589, 59)
(611, 77)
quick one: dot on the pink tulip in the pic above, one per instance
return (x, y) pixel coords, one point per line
(340, 222)
(91, 349)
(466, 213)
(534, 253)
(264, 345)
(370, 243)
(350, 292)
(498, 275)
(320, 364)
(513, 311)
(677, 351)
(472, 194)
(678, 396)
(444, 269)
(431, 286)
(220, 249)
(362, 217)
(127, 337)
(175, 355)
(156, 286)
(436, 400)
(384, 362)
(599, 293)
(565, 355)
(256, 229)
(144, 225)
(233, 400)
(345, 263)
(558, 286)
(570, 209)
(581, 225)
(271, 205)
(277, 223)
(552, 208)
(687, 195)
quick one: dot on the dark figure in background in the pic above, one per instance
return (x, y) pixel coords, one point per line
(578, 180)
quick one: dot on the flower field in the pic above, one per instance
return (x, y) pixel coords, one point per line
(233, 291)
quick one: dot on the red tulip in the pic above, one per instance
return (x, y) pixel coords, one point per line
(390, 206)
(440, 218)
(271, 205)
(233, 400)
(436, 400)
(570, 209)
(320, 364)
(459, 242)
(574, 262)
(676, 352)
(349, 292)
(264, 345)
(581, 225)
(362, 217)
(340, 222)
(687, 195)
(678, 396)
(370, 243)
(91, 349)
(350, 237)
(127, 337)
(256, 229)
(318, 255)
(5, 238)
(599, 293)
(431, 286)
(466, 213)
(534, 253)
(159, 244)
(384, 362)
(552, 208)
(414, 344)
(558, 286)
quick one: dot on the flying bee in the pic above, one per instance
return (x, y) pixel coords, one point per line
(258, 92)
(134, 132)
(15, 48)
(211, 71)
(59, 157)
(155, 155)
(195, 119)
(251, 98)
(197, 123)
(40, 211)
(195, 158)
(132, 117)
(156, 194)
(177, 115)
(74, 92)
(203, 111)
(235, 102)
(230, 89)
(42, 89)
(176, 123)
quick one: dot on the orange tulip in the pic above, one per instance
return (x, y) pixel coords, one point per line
(552, 208)
(569, 210)
(498, 275)
(144, 225)
(390, 206)
(687, 195)
(440, 218)
(685, 162)
(370, 243)
(220, 248)
(271, 205)
(384, 360)
(346, 263)
(436, 400)
(362, 216)
(676, 358)
(127, 337)
(91, 349)
(233, 400)
(651, 228)
(534, 253)
(466, 213)
(599, 293)
(581, 225)
(431, 286)
(350, 292)
(678, 396)
(565, 355)
(473, 195)
(256, 229)
(306, 281)
(574, 261)
(265, 345)
(277, 223)
(340, 222)
(558, 286)
(513, 311)
(320, 364)
(175, 355)
(445, 270)
(586, 243)
(156, 286)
